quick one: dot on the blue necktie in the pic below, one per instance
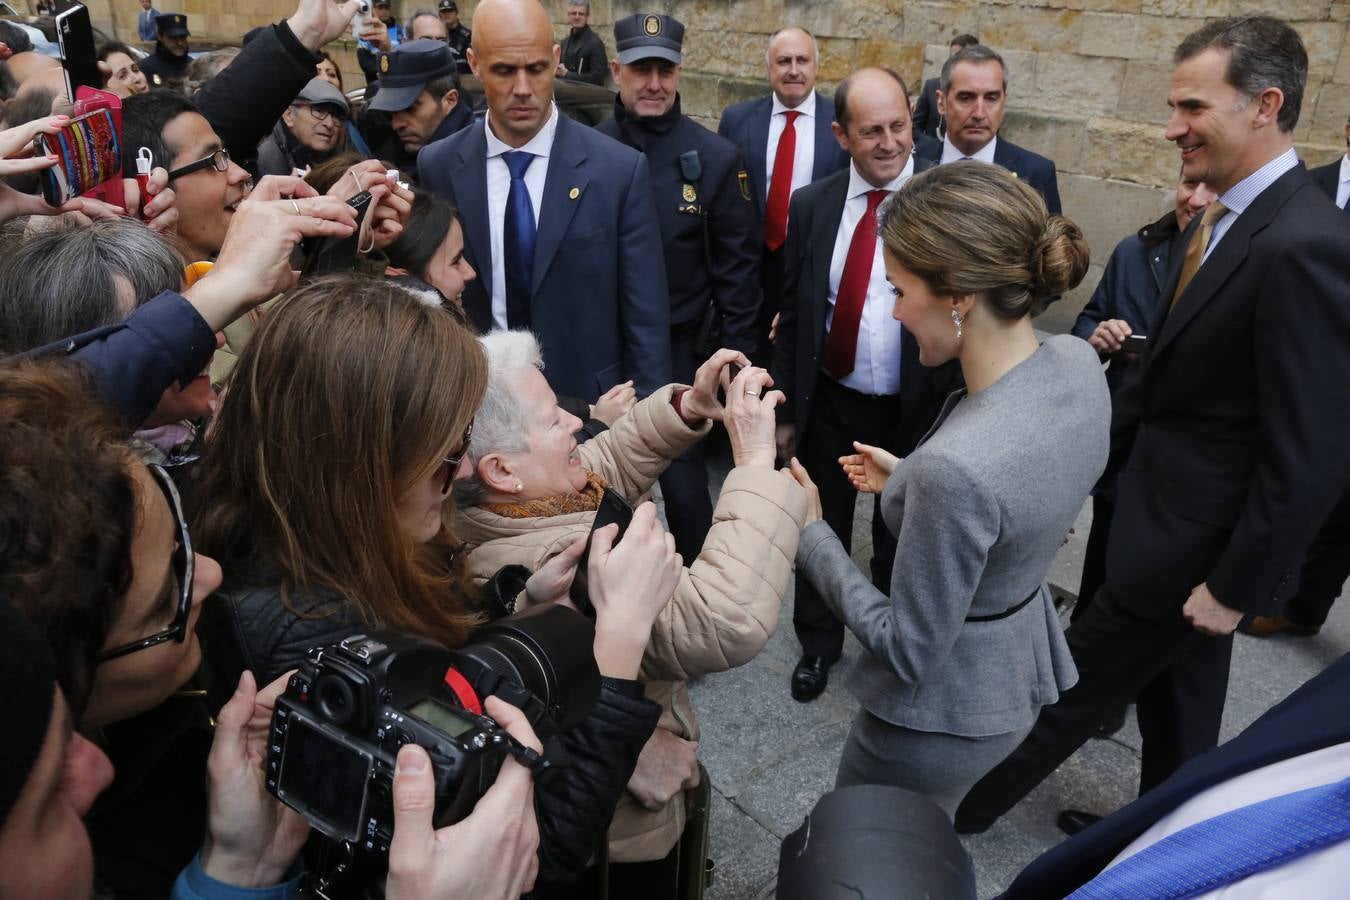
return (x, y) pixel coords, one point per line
(518, 234)
(1227, 848)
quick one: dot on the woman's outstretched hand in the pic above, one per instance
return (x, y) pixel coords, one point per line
(868, 469)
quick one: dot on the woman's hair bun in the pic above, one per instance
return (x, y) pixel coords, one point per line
(1060, 258)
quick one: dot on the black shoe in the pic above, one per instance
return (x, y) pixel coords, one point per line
(1112, 725)
(1072, 821)
(809, 678)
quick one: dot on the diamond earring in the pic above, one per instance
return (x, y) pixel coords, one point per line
(958, 322)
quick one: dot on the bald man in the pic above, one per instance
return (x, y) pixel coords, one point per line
(558, 219)
(786, 142)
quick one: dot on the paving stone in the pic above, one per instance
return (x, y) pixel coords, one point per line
(745, 853)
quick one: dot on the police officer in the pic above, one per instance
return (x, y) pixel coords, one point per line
(457, 36)
(167, 67)
(708, 229)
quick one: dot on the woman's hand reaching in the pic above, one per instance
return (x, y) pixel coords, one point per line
(868, 469)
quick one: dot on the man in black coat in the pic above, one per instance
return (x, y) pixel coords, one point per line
(850, 371)
(708, 230)
(927, 119)
(167, 67)
(1231, 422)
(456, 34)
(972, 98)
(583, 53)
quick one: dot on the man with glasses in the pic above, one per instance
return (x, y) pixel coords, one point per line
(307, 133)
(207, 184)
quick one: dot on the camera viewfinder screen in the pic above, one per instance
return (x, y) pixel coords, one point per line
(442, 717)
(325, 777)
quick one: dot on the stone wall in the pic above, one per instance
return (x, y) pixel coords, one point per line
(1088, 79)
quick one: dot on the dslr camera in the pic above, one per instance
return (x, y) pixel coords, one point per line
(337, 729)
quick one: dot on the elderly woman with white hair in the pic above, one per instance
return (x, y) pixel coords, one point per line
(533, 494)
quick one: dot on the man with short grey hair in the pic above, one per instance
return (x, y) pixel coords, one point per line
(972, 97)
(1231, 430)
(424, 23)
(583, 53)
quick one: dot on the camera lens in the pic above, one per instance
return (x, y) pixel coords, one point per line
(335, 699)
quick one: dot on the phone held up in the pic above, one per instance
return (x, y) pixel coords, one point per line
(332, 255)
(613, 510)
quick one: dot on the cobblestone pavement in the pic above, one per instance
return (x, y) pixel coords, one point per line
(771, 758)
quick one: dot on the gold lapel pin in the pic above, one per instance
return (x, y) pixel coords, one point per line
(574, 193)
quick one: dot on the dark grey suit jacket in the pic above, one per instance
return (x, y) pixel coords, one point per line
(747, 126)
(1034, 169)
(1328, 178)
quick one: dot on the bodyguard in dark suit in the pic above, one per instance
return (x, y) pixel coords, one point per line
(972, 98)
(708, 231)
(1334, 179)
(849, 370)
(927, 119)
(787, 144)
(1237, 418)
(1310, 725)
(566, 245)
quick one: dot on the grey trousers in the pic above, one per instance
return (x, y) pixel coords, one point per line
(942, 767)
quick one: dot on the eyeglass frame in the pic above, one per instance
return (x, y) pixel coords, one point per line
(320, 111)
(204, 163)
(452, 462)
(183, 567)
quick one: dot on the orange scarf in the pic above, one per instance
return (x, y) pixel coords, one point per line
(585, 500)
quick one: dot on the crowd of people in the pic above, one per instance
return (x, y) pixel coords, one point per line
(211, 464)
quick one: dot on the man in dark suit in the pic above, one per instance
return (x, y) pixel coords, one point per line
(927, 119)
(972, 98)
(787, 144)
(849, 370)
(1334, 179)
(1234, 454)
(567, 245)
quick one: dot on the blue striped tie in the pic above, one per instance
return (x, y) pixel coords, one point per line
(1227, 848)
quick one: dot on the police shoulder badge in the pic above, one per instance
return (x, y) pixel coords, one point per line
(384, 63)
(689, 194)
(743, 179)
(652, 25)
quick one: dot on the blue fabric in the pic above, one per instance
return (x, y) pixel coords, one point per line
(194, 884)
(145, 24)
(1310, 719)
(1128, 290)
(518, 235)
(133, 361)
(1227, 848)
(599, 305)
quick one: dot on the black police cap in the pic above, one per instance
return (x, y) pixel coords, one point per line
(648, 36)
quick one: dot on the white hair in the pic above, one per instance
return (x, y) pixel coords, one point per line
(815, 47)
(500, 425)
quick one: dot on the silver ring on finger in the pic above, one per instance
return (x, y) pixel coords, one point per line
(297, 207)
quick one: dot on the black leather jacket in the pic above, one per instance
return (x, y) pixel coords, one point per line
(250, 627)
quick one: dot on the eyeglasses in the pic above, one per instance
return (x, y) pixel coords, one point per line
(220, 161)
(320, 113)
(452, 462)
(182, 575)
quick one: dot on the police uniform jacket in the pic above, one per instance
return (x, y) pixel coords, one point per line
(163, 69)
(459, 38)
(707, 217)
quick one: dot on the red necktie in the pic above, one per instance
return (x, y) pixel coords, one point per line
(841, 346)
(780, 186)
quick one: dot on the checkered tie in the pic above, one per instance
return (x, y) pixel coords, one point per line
(1227, 848)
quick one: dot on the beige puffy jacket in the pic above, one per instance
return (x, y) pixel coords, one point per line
(724, 608)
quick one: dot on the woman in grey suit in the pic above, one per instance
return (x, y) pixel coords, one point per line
(967, 648)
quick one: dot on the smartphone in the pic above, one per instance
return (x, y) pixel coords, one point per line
(331, 255)
(75, 36)
(1135, 343)
(613, 510)
(88, 151)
